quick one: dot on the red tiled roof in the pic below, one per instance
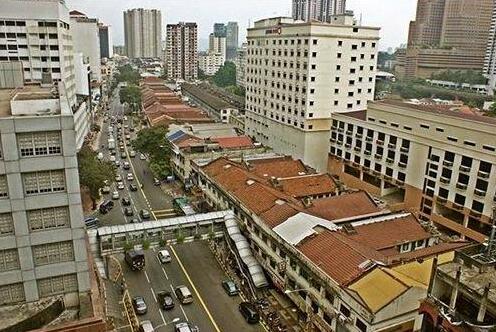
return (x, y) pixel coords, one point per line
(282, 167)
(344, 206)
(234, 142)
(308, 185)
(278, 214)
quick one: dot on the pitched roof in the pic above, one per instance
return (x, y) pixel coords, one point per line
(234, 142)
(344, 206)
(279, 167)
(309, 185)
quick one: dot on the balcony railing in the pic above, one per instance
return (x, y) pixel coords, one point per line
(402, 165)
(404, 149)
(390, 161)
(367, 152)
(378, 156)
(391, 146)
(447, 163)
(464, 169)
(369, 139)
(483, 175)
(357, 148)
(444, 180)
(480, 192)
(461, 186)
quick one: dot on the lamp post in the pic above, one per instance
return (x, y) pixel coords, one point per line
(308, 312)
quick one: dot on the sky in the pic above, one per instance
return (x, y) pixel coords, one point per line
(392, 16)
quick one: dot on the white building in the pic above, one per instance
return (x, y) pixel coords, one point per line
(320, 10)
(143, 33)
(43, 247)
(490, 59)
(241, 66)
(86, 39)
(210, 63)
(298, 74)
(182, 51)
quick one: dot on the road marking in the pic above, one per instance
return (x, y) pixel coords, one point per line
(165, 274)
(162, 315)
(146, 275)
(216, 327)
(153, 293)
(184, 312)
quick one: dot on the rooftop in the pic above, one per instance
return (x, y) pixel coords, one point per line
(29, 100)
(308, 185)
(345, 206)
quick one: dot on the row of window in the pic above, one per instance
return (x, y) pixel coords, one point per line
(39, 219)
(44, 182)
(305, 41)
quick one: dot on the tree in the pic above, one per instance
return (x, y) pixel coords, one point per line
(226, 75)
(236, 90)
(93, 172)
(131, 95)
(153, 142)
(127, 74)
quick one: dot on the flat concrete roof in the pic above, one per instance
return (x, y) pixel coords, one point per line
(26, 93)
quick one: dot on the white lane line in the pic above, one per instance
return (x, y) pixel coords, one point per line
(162, 315)
(153, 293)
(172, 288)
(180, 305)
(165, 274)
(147, 279)
(184, 313)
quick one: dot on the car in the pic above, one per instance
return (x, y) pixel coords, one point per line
(164, 256)
(91, 222)
(139, 305)
(156, 182)
(128, 212)
(230, 287)
(146, 326)
(121, 148)
(106, 190)
(183, 294)
(165, 300)
(113, 152)
(126, 201)
(185, 327)
(126, 165)
(99, 156)
(145, 214)
(134, 220)
(128, 136)
(112, 158)
(130, 177)
(132, 154)
(131, 129)
(249, 312)
(117, 163)
(125, 118)
(118, 178)
(115, 195)
(123, 155)
(133, 187)
(106, 206)
(142, 156)
(120, 185)
(126, 126)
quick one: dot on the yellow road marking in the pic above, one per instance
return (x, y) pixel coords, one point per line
(195, 290)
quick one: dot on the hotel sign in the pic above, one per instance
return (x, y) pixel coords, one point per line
(273, 31)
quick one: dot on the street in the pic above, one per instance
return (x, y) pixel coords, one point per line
(193, 264)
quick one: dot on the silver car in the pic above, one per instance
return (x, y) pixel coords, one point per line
(139, 305)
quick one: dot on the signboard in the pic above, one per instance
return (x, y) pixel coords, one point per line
(273, 31)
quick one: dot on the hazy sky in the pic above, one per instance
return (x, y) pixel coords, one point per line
(391, 15)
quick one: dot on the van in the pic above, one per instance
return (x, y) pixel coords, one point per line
(249, 312)
(106, 206)
(183, 294)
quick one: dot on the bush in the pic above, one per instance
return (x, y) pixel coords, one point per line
(145, 244)
(128, 246)
(180, 237)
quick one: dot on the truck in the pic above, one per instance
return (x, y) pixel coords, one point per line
(135, 258)
(111, 143)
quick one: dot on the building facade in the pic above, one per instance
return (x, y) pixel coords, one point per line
(428, 25)
(182, 51)
(86, 40)
(319, 10)
(232, 33)
(143, 33)
(217, 45)
(437, 160)
(241, 65)
(294, 84)
(490, 59)
(106, 42)
(210, 63)
(43, 247)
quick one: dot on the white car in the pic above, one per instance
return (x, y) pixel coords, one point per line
(117, 163)
(142, 156)
(130, 177)
(99, 156)
(164, 256)
(112, 159)
(120, 185)
(118, 178)
(128, 136)
(115, 195)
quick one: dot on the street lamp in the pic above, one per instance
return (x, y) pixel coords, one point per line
(307, 306)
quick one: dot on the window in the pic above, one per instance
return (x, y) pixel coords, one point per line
(43, 182)
(12, 293)
(4, 191)
(6, 224)
(9, 260)
(361, 325)
(452, 139)
(48, 218)
(345, 311)
(57, 285)
(53, 253)
(39, 144)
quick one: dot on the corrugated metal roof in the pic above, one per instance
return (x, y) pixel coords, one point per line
(300, 226)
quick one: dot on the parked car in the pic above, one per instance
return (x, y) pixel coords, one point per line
(249, 312)
(118, 178)
(128, 212)
(139, 305)
(126, 165)
(145, 214)
(115, 195)
(134, 220)
(164, 256)
(117, 163)
(185, 327)
(230, 287)
(142, 156)
(146, 326)
(123, 155)
(126, 201)
(100, 156)
(132, 154)
(120, 185)
(165, 300)
(106, 190)
(183, 294)
(133, 187)
(106, 206)
(91, 222)
(156, 182)
(112, 158)
(130, 177)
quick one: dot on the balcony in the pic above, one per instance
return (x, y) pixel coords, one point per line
(441, 200)
(340, 130)
(359, 135)
(457, 206)
(404, 149)
(475, 214)
(349, 132)
(480, 192)
(390, 161)
(378, 156)
(368, 153)
(465, 169)
(339, 142)
(447, 163)
(483, 175)
(369, 139)
(333, 140)
(461, 186)
(445, 180)
(379, 142)
(391, 146)
(347, 145)
(334, 127)
(402, 165)
(357, 149)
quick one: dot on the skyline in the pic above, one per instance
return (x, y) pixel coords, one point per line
(392, 17)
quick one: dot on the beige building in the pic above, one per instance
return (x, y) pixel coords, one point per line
(240, 62)
(143, 33)
(438, 160)
(298, 74)
(182, 51)
(210, 63)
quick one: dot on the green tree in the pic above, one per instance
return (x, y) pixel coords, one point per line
(153, 142)
(492, 110)
(226, 75)
(93, 172)
(127, 74)
(131, 95)
(237, 90)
